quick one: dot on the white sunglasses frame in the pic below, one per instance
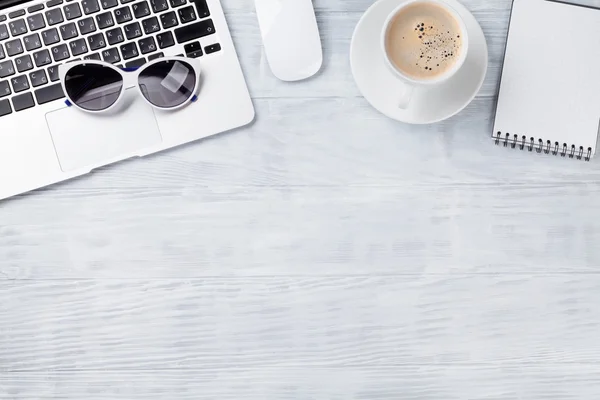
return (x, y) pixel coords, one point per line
(131, 79)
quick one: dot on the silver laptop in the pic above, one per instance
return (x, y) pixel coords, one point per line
(42, 141)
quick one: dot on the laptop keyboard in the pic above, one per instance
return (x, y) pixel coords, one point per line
(127, 33)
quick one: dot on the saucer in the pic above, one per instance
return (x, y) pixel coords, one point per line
(381, 88)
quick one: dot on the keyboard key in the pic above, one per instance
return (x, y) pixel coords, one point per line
(50, 37)
(106, 4)
(193, 46)
(2, 18)
(19, 83)
(42, 58)
(24, 63)
(111, 55)
(177, 3)
(53, 3)
(16, 14)
(155, 56)
(3, 32)
(159, 5)
(141, 9)
(53, 73)
(68, 31)
(5, 107)
(32, 42)
(23, 101)
(147, 45)
(150, 25)
(60, 52)
(90, 6)
(105, 20)
(2, 55)
(165, 40)
(4, 88)
(35, 8)
(14, 47)
(201, 8)
(93, 56)
(136, 63)
(129, 50)
(187, 14)
(38, 78)
(72, 11)
(36, 22)
(17, 27)
(126, 1)
(194, 31)
(54, 16)
(195, 54)
(213, 48)
(96, 41)
(78, 47)
(6, 68)
(123, 14)
(132, 31)
(168, 20)
(86, 25)
(49, 93)
(114, 36)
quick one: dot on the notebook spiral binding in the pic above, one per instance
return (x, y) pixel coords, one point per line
(540, 146)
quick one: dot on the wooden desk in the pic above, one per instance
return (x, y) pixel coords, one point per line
(325, 252)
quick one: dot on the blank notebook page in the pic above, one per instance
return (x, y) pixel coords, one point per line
(550, 87)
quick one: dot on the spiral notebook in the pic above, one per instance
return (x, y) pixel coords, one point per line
(549, 98)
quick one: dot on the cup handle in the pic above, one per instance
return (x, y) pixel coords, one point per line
(406, 96)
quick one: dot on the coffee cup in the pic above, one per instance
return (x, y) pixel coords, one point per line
(424, 44)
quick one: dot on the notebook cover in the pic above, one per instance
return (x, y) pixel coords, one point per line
(549, 97)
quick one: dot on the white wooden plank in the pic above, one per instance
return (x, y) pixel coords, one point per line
(349, 6)
(239, 231)
(359, 6)
(449, 382)
(336, 142)
(335, 78)
(287, 322)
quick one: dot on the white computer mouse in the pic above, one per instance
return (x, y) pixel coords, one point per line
(291, 38)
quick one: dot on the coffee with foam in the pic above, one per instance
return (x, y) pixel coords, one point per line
(424, 41)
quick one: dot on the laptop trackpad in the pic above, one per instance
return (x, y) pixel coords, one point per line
(85, 140)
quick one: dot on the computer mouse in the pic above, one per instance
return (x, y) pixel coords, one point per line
(291, 38)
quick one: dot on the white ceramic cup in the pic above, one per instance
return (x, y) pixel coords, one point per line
(409, 84)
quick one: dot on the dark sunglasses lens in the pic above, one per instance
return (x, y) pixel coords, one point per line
(93, 87)
(168, 84)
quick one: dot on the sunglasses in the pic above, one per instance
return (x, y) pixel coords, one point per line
(97, 86)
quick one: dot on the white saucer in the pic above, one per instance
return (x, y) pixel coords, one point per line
(380, 88)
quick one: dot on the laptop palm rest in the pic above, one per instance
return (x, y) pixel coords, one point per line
(87, 140)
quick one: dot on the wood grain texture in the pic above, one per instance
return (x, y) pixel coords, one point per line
(299, 322)
(332, 142)
(352, 192)
(324, 252)
(335, 78)
(299, 231)
(419, 382)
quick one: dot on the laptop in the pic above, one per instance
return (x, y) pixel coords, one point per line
(42, 141)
